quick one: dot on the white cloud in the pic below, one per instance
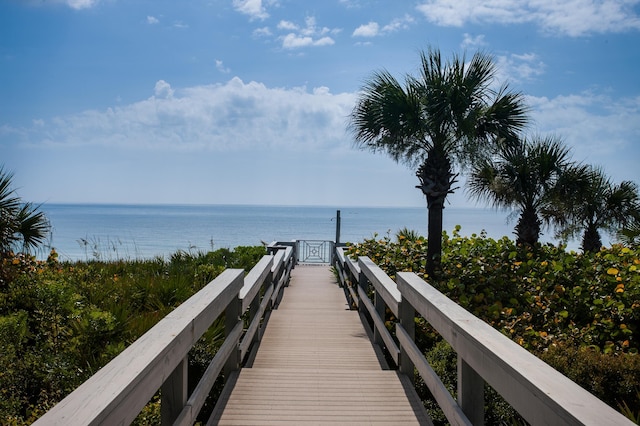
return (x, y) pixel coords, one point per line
(152, 20)
(287, 25)
(163, 89)
(262, 32)
(232, 116)
(73, 4)
(519, 68)
(220, 67)
(571, 17)
(372, 29)
(293, 41)
(81, 4)
(367, 30)
(350, 4)
(304, 36)
(398, 24)
(253, 8)
(601, 130)
(471, 41)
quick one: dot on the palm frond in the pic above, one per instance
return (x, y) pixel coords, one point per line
(387, 118)
(34, 226)
(8, 201)
(21, 225)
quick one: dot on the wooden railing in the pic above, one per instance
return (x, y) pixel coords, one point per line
(539, 393)
(158, 360)
(117, 393)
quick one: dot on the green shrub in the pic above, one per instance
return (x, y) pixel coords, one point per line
(614, 379)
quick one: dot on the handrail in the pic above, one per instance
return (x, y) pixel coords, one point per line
(348, 274)
(381, 282)
(158, 359)
(254, 280)
(540, 394)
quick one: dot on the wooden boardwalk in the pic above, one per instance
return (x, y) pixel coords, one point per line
(316, 365)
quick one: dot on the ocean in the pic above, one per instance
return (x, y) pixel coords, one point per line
(111, 231)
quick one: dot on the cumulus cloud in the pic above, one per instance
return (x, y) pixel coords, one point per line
(373, 29)
(221, 117)
(572, 17)
(163, 89)
(253, 8)
(152, 20)
(310, 34)
(367, 30)
(294, 41)
(287, 25)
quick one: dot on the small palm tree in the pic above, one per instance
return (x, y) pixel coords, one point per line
(524, 177)
(22, 226)
(448, 116)
(592, 202)
(630, 234)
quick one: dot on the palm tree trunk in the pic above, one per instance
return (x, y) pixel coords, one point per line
(436, 180)
(434, 238)
(591, 241)
(528, 227)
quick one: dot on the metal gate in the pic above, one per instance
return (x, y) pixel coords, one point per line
(315, 251)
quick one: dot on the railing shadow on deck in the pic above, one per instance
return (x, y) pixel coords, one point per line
(540, 394)
(158, 360)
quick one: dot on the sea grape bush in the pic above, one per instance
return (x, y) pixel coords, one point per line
(538, 297)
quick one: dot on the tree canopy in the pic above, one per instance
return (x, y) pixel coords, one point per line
(449, 116)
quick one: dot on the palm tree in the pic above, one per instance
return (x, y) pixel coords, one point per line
(22, 225)
(593, 202)
(630, 234)
(448, 116)
(524, 177)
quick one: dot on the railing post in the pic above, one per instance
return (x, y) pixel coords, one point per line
(470, 392)
(270, 280)
(337, 227)
(363, 283)
(231, 319)
(406, 316)
(378, 303)
(174, 393)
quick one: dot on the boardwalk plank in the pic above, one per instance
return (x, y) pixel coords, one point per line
(316, 365)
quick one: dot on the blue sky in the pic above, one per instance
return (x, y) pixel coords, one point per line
(246, 101)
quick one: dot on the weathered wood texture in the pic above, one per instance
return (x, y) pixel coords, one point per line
(316, 365)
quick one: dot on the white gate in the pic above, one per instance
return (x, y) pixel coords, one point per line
(315, 251)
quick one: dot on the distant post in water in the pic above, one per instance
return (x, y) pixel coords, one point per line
(337, 227)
